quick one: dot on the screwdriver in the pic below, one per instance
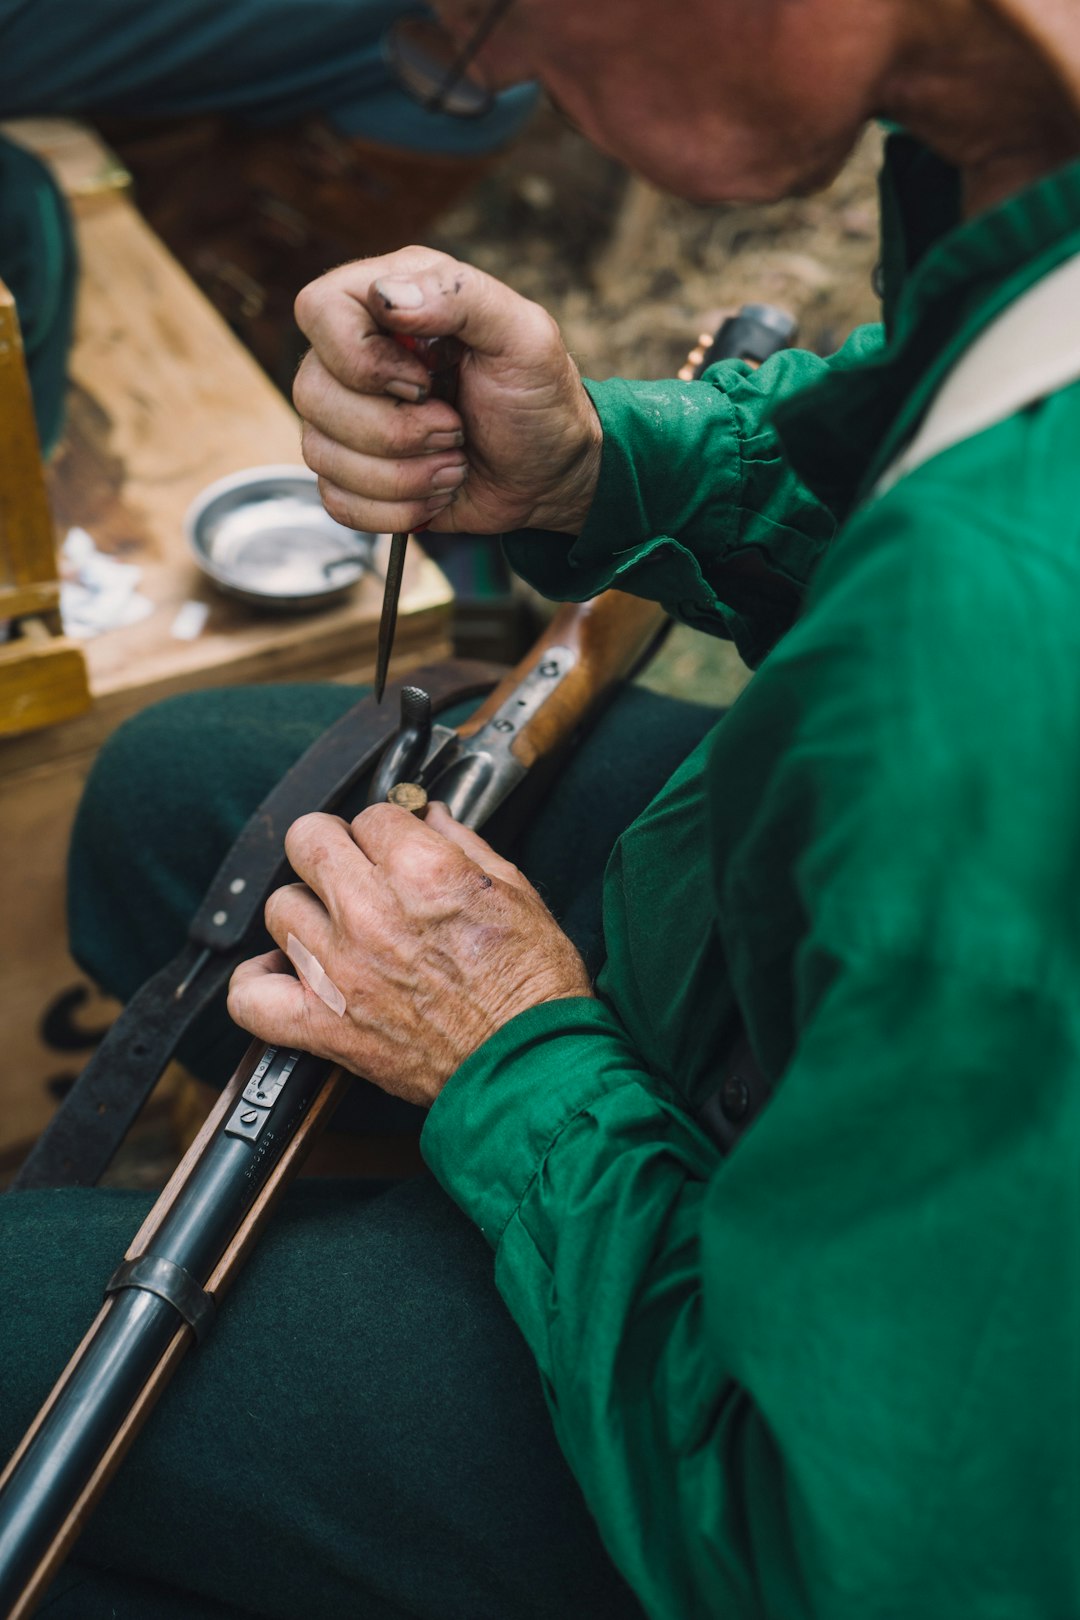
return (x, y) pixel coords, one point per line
(442, 357)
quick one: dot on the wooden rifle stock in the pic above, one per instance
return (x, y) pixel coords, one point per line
(609, 637)
(221, 1277)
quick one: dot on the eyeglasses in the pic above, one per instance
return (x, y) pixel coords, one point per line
(435, 70)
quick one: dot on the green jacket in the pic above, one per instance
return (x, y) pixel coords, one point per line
(838, 1373)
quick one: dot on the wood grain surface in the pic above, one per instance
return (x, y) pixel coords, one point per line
(609, 637)
(26, 545)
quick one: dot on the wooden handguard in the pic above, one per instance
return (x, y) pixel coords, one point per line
(610, 636)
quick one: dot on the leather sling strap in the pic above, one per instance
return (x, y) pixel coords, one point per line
(95, 1116)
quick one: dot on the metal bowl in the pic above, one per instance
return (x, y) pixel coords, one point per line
(264, 536)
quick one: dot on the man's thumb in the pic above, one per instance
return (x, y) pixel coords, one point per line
(451, 301)
(400, 298)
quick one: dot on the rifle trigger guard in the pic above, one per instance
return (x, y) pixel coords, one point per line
(170, 1282)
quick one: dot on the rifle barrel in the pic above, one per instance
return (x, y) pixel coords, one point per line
(52, 1477)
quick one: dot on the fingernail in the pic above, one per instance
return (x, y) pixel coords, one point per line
(412, 392)
(445, 441)
(450, 477)
(400, 294)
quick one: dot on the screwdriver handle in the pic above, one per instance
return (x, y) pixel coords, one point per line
(442, 357)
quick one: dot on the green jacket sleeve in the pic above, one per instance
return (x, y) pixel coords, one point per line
(789, 1386)
(697, 506)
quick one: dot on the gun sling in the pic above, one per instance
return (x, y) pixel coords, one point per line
(95, 1116)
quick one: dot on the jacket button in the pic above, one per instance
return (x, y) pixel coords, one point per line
(734, 1099)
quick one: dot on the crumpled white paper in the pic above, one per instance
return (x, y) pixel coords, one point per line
(97, 593)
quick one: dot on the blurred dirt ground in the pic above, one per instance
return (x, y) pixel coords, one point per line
(629, 273)
(632, 277)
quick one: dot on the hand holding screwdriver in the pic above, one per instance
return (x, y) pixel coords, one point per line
(520, 448)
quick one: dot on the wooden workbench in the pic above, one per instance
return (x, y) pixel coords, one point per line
(163, 401)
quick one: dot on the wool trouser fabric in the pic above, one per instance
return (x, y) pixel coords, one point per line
(364, 1432)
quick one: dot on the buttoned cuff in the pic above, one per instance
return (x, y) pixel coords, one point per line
(496, 1119)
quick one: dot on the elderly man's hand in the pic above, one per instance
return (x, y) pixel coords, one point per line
(433, 940)
(522, 448)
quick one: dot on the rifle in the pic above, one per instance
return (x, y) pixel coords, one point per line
(163, 1296)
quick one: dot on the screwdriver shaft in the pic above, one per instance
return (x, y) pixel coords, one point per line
(395, 569)
(442, 357)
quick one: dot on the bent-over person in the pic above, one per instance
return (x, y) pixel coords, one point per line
(593, 1366)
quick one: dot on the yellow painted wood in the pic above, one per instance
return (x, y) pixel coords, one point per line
(26, 532)
(16, 601)
(42, 681)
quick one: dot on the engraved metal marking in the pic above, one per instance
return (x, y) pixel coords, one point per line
(532, 694)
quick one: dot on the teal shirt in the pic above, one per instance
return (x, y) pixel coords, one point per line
(837, 1374)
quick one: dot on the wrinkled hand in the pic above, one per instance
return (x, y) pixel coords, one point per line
(520, 450)
(433, 939)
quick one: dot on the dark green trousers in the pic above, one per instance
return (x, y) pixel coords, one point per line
(364, 1432)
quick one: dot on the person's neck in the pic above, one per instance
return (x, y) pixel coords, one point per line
(988, 101)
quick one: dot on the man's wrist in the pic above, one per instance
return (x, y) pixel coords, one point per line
(498, 1114)
(568, 511)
